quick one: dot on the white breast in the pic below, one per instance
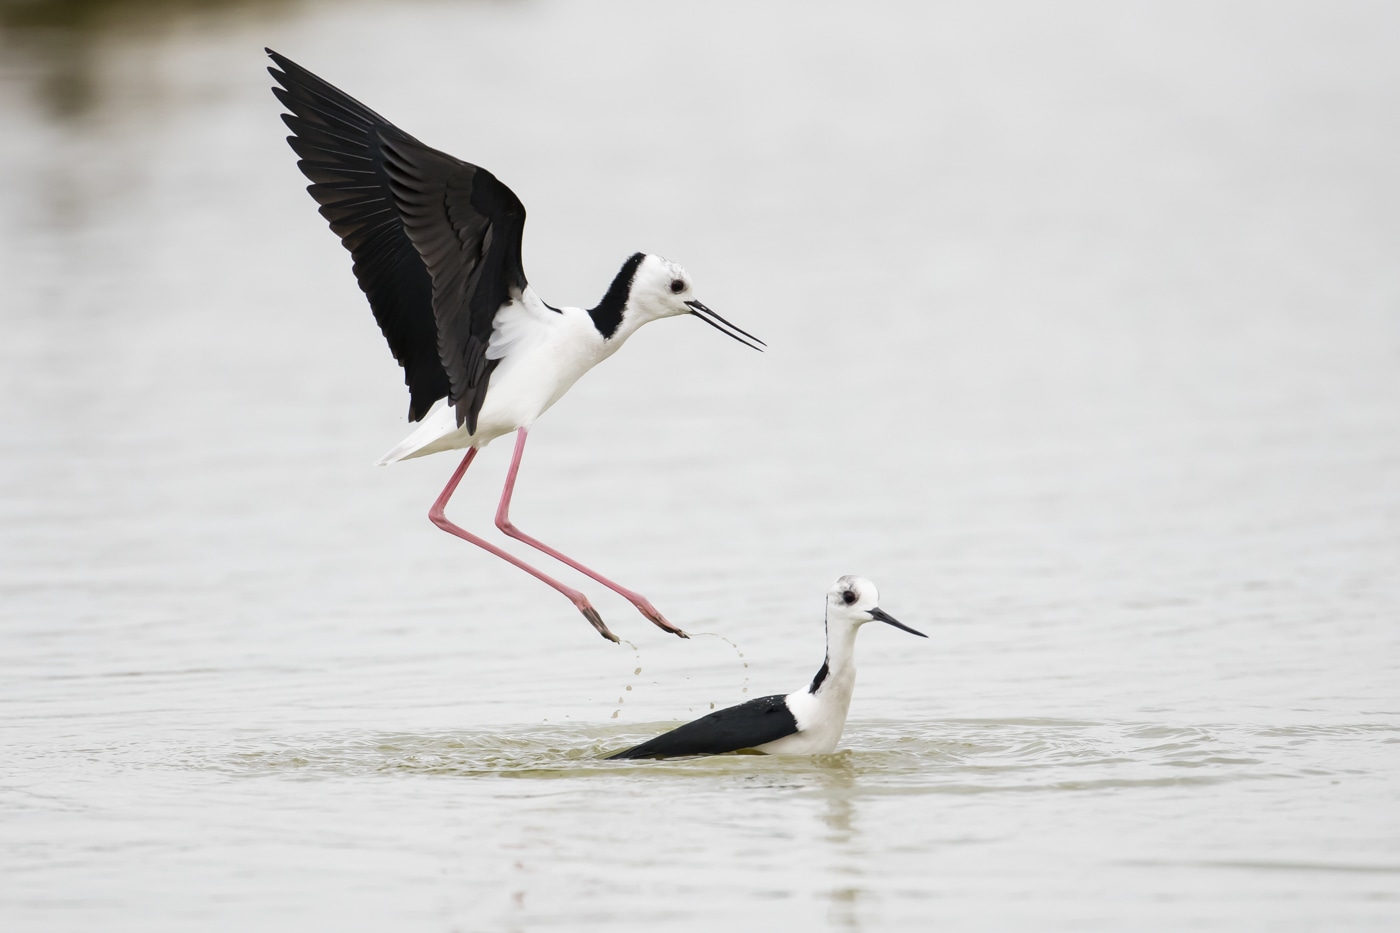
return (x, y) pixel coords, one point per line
(541, 353)
(821, 718)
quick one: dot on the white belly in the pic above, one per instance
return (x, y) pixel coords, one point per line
(540, 366)
(821, 718)
(803, 743)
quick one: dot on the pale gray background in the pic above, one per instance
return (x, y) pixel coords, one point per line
(1085, 346)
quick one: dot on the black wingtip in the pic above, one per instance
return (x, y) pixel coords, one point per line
(279, 69)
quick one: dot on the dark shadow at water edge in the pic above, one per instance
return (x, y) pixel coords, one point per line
(56, 47)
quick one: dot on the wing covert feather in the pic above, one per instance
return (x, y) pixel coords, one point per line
(748, 725)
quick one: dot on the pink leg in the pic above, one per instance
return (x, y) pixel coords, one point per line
(504, 523)
(438, 517)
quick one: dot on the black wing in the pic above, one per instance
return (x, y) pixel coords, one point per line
(747, 725)
(436, 241)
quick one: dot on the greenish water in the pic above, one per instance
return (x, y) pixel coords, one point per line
(972, 820)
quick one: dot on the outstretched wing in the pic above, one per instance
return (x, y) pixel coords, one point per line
(436, 241)
(466, 226)
(747, 725)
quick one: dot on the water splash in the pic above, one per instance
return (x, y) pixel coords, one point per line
(744, 685)
(637, 654)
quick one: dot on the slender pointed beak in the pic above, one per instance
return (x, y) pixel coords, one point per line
(724, 327)
(883, 616)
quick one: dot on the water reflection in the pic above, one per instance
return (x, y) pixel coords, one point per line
(838, 787)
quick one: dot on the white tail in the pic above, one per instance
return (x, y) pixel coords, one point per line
(437, 431)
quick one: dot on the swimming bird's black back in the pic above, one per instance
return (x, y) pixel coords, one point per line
(747, 725)
(436, 241)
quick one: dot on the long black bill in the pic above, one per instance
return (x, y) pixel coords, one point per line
(883, 616)
(724, 327)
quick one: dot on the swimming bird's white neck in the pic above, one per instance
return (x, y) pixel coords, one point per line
(820, 708)
(840, 667)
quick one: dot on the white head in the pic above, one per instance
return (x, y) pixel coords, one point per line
(853, 601)
(658, 288)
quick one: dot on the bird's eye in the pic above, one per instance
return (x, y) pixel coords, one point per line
(849, 596)
(677, 286)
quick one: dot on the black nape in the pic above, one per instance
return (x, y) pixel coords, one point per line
(607, 315)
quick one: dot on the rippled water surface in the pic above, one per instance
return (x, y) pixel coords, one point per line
(1084, 327)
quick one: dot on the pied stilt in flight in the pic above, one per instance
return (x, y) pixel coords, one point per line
(436, 247)
(808, 722)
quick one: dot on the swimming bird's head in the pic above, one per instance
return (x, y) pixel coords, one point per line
(854, 601)
(660, 288)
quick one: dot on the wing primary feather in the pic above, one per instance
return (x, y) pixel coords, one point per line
(337, 138)
(435, 241)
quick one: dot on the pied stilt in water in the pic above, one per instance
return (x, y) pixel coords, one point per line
(808, 722)
(436, 248)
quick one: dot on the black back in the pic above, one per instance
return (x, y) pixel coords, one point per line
(436, 241)
(747, 725)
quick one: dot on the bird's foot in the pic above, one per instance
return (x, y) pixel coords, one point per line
(656, 618)
(582, 604)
